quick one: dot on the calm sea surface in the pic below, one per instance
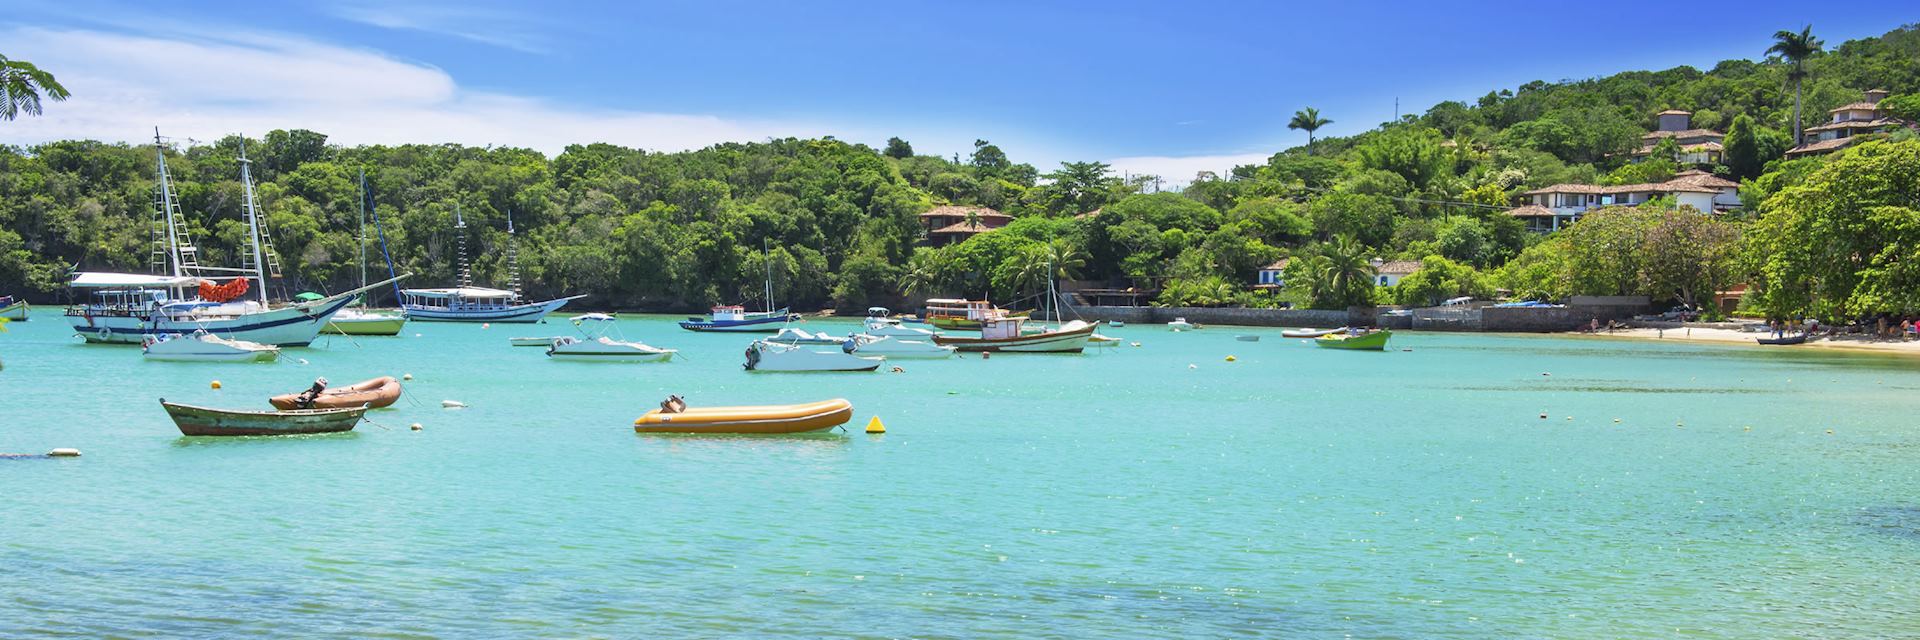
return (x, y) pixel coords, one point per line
(1157, 491)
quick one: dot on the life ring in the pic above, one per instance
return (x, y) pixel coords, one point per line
(103, 334)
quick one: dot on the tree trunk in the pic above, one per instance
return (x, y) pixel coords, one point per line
(1799, 137)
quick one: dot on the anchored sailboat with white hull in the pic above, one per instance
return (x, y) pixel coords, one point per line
(468, 303)
(130, 308)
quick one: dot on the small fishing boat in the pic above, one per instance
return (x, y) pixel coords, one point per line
(1353, 340)
(13, 309)
(1181, 324)
(737, 319)
(597, 346)
(377, 393)
(767, 419)
(773, 356)
(361, 322)
(891, 347)
(952, 313)
(201, 346)
(1006, 334)
(796, 335)
(1783, 340)
(1308, 333)
(204, 421)
(534, 342)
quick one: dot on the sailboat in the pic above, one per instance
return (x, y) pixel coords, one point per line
(468, 303)
(1000, 331)
(736, 318)
(130, 308)
(358, 320)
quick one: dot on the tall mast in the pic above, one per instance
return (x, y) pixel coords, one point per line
(362, 206)
(766, 259)
(513, 257)
(167, 225)
(460, 229)
(258, 266)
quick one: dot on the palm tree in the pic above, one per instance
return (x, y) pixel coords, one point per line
(1308, 120)
(1346, 272)
(1796, 48)
(21, 84)
(928, 271)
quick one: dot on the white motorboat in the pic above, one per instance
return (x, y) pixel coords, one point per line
(535, 342)
(893, 328)
(796, 335)
(201, 346)
(1181, 324)
(1117, 323)
(597, 346)
(773, 356)
(891, 347)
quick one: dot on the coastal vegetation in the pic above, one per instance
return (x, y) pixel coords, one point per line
(837, 221)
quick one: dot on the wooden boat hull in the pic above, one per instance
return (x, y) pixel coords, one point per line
(382, 325)
(375, 394)
(1074, 341)
(1787, 340)
(16, 312)
(204, 421)
(770, 419)
(1376, 341)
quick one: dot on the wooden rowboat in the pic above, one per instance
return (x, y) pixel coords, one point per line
(768, 419)
(1369, 341)
(1784, 340)
(204, 421)
(376, 393)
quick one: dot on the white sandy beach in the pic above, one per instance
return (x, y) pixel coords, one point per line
(1730, 336)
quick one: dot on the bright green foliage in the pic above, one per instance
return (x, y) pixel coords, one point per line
(21, 86)
(1845, 240)
(1656, 251)
(1905, 107)
(898, 149)
(1308, 120)
(1334, 275)
(1440, 279)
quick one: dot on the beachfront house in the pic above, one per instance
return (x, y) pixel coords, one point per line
(948, 224)
(1273, 276)
(1548, 209)
(1697, 146)
(1387, 274)
(1848, 123)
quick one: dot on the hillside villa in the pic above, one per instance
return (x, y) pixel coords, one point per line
(1849, 122)
(1697, 146)
(1547, 209)
(948, 224)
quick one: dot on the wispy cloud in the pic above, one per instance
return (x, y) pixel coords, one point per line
(495, 27)
(251, 82)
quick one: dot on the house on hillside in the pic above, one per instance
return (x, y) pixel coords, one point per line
(948, 224)
(1273, 276)
(1547, 209)
(1847, 124)
(1697, 146)
(1387, 274)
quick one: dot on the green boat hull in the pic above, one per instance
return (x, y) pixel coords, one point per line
(1376, 341)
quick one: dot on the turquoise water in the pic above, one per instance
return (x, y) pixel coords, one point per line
(1157, 491)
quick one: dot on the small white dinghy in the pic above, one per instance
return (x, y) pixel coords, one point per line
(201, 346)
(597, 346)
(773, 356)
(891, 347)
(1181, 324)
(892, 328)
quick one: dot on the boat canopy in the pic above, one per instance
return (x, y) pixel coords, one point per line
(469, 293)
(592, 317)
(103, 280)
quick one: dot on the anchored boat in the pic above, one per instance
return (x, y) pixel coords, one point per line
(201, 346)
(1356, 340)
(773, 356)
(205, 421)
(468, 303)
(891, 347)
(769, 419)
(951, 313)
(375, 394)
(597, 346)
(361, 321)
(1006, 334)
(12, 309)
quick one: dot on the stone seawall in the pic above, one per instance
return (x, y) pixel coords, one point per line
(1211, 315)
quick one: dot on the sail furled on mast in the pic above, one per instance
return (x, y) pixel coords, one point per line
(460, 231)
(513, 257)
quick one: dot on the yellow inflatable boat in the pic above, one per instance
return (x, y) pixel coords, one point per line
(781, 418)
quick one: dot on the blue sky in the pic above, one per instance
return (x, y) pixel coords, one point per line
(1165, 88)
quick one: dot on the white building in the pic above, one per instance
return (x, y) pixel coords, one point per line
(1387, 274)
(1272, 276)
(1548, 209)
(1847, 123)
(1697, 146)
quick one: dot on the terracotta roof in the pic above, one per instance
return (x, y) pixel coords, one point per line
(1698, 178)
(1821, 146)
(1857, 106)
(1532, 211)
(1689, 133)
(1674, 112)
(1277, 265)
(1671, 186)
(1856, 124)
(963, 227)
(1401, 267)
(956, 211)
(1566, 188)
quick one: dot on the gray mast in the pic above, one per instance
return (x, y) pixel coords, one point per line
(258, 264)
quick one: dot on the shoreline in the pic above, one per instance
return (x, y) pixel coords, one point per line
(1705, 335)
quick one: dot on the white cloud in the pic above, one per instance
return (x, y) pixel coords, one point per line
(485, 26)
(202, 88)
(1180, 170)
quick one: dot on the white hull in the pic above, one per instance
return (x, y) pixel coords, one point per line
(533, 342)
(295, 325)
(897, 348)
(890, 328)
(764, 356)
(207, 348)
(607, 350)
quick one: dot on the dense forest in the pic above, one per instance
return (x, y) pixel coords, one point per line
(1831, 235)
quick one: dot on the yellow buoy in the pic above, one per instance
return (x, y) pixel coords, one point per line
(1231, 358)
(874, 426)
(216, 384)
